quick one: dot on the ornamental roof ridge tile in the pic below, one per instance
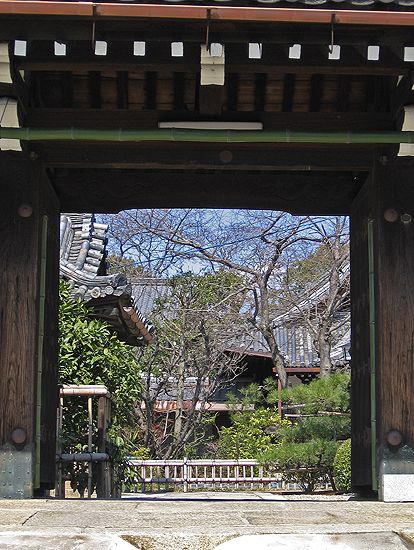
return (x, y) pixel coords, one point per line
(83, 243)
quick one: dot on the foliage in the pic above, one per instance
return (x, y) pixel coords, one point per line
(303, 273)
(187, 362)
(257, 245)
(307, 447)
(302, 447)
(328, 394)
(342, 467)
(306, 463)
(251, 434)
(90, 353)
(124, 264)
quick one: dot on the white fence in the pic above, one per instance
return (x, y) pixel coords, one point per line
(164, 475)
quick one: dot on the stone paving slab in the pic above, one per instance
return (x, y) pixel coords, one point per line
(162, 523)
(57, 540)
(383, 541)
(34, 540)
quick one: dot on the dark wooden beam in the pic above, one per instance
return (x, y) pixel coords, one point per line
(314, 59)
(195, 157)
(114, 190)
(85, 118)
(67, 81)
(211, 100)
(150, 89)
(288, 92)
(320, 66)
(315, 93)
(377, 94)
(7, 90)
(260, 92)
(94, 83)
(232, 85)
(343, 93)
(179, 92)
(122, 90)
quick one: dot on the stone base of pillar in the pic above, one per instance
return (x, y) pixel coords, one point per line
(16, 472)
(396, 475)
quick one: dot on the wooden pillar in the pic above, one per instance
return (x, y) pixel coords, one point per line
(383, 331)
(29, 237)
(360, 344)
(102, 467)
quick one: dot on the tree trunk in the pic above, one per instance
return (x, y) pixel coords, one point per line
(279, 363)
(178, 423)
(325, 357)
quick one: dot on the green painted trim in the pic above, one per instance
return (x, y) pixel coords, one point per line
(40, 343)
(206, 136)
(372, 357)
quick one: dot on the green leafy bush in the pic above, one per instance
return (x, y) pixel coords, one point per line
(307, 447)
(342, 467)
(90, 353)
(251, 434)
(307, 463)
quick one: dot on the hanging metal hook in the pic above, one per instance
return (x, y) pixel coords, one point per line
(331, 46)
(93, 27)
(208, 30)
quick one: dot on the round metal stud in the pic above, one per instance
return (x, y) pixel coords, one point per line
(18, 436)
(226, 156)
(406, 218)
(394, 438)
(391, 215)
(25, 210)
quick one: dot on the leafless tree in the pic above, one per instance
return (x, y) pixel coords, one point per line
(253, 244)
(316, 290)
(187, 365)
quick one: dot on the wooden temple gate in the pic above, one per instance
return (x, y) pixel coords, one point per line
(298, 109)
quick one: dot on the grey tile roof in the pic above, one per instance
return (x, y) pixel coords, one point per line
(293, 338)
(295, 343)
(82, 263)
(146, 291)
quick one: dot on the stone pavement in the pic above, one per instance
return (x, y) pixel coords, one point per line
(207, 521)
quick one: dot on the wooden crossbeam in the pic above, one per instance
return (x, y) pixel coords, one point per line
(85, 118)
(190, 157)
(120, 57)
(296, 192)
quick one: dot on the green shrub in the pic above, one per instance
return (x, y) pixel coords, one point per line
(251, 434)
(307, 463)
(342, 467)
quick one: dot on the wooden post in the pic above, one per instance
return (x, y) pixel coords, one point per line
(360, 345)
(383, 331)
(29, 237)
(90, 449)
(101, 483)
(60, 484)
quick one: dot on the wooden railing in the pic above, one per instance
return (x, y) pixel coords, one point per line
(187, 475)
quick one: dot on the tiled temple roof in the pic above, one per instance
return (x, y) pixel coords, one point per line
(293, 338)
(82, 262)
(296, 344)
